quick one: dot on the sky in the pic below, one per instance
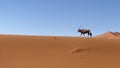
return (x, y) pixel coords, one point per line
(58, 17)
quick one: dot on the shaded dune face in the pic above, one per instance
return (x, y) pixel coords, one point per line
(58, 52)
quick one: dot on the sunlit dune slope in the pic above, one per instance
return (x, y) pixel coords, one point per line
(110, 35)
(58, 52)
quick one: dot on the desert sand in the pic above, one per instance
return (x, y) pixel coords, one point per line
(17, 51)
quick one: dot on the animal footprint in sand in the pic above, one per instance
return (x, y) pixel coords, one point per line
(77, 50)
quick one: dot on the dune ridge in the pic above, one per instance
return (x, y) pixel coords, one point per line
(109, 35)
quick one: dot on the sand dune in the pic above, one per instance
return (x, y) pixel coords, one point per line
(58, 52)
(110, 35)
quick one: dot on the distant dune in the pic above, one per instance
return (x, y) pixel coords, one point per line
(110, 35)
(59, 52)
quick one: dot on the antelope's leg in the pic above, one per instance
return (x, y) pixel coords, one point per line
(88, 34)
(84, 35)
(81, 35)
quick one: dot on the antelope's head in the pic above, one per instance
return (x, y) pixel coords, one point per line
(78, 30)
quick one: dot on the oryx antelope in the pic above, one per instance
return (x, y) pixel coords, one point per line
(85, 31)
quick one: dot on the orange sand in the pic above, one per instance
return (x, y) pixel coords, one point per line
(58, 52)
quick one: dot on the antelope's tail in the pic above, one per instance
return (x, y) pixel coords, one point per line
(90, 34)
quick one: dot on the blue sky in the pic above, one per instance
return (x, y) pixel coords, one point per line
(58, 17)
